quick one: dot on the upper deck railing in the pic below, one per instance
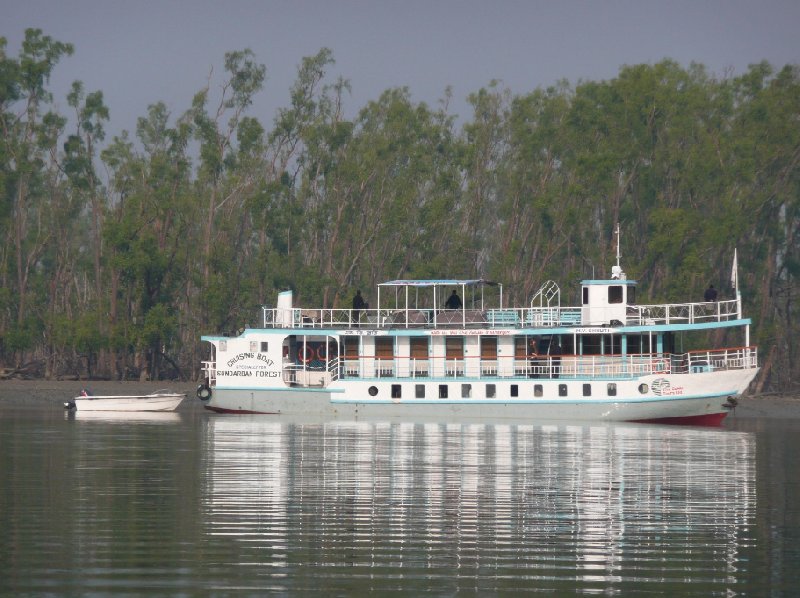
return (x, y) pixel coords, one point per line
(505, 318)
(543, 366)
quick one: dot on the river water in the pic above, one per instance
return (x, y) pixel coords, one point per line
(196, 503)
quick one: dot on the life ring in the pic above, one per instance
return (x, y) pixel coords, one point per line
(322, 352)
(203, 392)
(305, 353)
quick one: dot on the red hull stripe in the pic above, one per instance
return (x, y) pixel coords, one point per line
(240, 411)
(709, 419)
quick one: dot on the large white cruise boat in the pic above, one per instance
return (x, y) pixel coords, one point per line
(409, 356)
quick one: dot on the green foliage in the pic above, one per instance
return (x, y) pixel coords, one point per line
(204, 217)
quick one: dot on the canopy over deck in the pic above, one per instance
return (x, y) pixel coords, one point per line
(443, 282)
(404, 301)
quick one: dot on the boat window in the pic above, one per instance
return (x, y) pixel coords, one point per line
(491, 391)
(419, 391)
(351, 347)
(419, 347)
(521, 347)
(634, 343)
(264, 347)
(253, 346)
(631, 295)
(373, 391)
(612, 389)
(587, 390)
(537, 390)
(586, 295)
(643, 388)
(454, 347)
(488, 347)
(223, 346)
(466, 391)
(384, 347)
(396, 391)
(615, 294)
(443, 391)
(562, 390)
(592, 344)
(514, 390)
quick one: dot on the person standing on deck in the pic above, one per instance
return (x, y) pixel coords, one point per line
(453, 301)
(358, 305)
(710, 294)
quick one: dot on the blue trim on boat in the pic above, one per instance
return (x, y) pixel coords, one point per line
(279, 389)
(613, 281)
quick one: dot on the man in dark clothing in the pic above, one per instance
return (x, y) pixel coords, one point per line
(453, 301)
(710, 294)
(358, 305)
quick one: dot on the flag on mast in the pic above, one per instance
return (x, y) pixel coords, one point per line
(734, 272)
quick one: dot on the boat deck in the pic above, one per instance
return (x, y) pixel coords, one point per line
(498, 319)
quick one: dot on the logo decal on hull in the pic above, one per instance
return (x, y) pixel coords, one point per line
(663, 388)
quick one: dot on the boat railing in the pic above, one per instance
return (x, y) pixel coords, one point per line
(302, 375)
(209, 369)
(548, 366)
(529, 317)
(682, 313)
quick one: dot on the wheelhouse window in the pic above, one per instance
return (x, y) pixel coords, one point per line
(615, 294)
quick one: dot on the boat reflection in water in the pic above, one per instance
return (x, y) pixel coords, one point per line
(124, 417)
(564, 506)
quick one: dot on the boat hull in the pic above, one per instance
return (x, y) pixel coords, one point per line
(704, 399)
(160, 402)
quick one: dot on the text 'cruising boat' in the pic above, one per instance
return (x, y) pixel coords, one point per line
(606, 359)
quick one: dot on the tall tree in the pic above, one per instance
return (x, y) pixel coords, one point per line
(26, 142)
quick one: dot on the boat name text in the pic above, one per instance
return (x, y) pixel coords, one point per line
(258, 356)
(247, 373)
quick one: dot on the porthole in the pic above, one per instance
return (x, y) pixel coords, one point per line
(643, 388)
(373, 391)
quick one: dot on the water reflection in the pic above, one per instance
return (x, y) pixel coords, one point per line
(382, 505)
(124, 417)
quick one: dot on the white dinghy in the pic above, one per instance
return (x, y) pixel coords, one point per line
(161, 400)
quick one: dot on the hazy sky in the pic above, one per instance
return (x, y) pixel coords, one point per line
(139, 52)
